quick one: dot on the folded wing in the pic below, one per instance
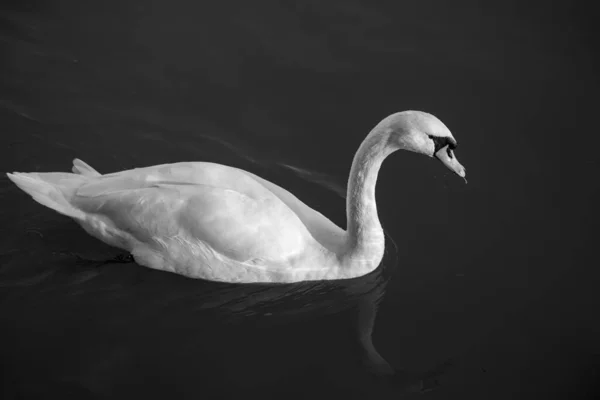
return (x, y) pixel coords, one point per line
(213, 207)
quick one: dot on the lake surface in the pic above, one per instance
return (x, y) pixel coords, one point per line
(494, 277)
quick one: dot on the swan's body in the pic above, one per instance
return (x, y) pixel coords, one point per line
(219, 223)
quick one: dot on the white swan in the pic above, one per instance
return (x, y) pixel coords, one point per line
(219, 223)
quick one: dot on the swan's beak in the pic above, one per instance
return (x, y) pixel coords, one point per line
(446, 156)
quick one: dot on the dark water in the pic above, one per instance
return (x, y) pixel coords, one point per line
(496, 275)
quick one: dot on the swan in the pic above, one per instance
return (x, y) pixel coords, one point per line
(219, 223)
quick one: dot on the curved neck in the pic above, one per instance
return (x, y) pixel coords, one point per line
(365, 238)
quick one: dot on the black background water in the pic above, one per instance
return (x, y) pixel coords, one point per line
(497, 275)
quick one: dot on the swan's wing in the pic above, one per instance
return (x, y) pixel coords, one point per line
(320, 227)
(246, 228)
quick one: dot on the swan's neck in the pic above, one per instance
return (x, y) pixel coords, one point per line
(365, 238)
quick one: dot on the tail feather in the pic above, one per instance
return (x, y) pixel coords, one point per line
(82, 168)
(51, 189)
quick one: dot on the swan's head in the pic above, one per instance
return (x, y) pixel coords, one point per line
(423, 133)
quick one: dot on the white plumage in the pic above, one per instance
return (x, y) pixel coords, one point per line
(220, 223)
